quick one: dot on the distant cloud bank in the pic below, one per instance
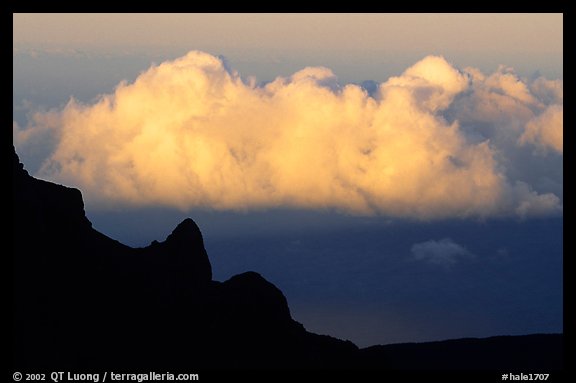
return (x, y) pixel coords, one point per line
(434, 142)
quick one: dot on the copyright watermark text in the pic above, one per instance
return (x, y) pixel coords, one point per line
(65, 376)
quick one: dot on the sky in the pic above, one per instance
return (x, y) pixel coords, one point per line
(268, 45)
(391, 173)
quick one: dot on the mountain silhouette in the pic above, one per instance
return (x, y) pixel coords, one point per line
(83, 300)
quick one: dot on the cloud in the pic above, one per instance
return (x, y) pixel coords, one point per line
(534, 204)
(546, 130)
(192, 133)
(444, 252)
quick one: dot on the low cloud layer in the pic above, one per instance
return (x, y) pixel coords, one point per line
(434, 142)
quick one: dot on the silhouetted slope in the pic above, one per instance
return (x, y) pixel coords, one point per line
(83, 300)
(528, 353)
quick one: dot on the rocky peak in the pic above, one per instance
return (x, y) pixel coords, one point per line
(185, 247)
(186, 234)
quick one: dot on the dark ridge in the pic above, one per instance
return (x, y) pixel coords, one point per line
(82, 301)
(526, 353)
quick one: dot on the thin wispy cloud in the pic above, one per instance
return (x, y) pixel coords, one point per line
(444, 252)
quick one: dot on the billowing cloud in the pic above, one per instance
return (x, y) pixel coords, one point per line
(192, 133)
(444, 252)
(546, 130)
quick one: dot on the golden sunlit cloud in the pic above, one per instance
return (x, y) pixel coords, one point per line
(189, 133)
